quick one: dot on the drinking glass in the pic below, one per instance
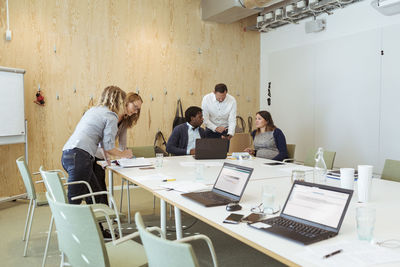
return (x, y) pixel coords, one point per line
(159, 159)
(268, 198)
(365, 218)
(298, 175)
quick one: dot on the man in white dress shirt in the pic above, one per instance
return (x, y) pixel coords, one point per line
(219, 112)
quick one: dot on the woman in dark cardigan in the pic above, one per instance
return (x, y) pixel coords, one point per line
(269, 141)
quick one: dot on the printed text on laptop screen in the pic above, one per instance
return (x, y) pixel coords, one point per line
(232, 180)
(317, 205)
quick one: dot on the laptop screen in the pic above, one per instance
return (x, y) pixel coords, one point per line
(233, 179)
(318, 204)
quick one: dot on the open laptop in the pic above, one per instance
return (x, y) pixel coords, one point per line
(228, 187)
(312, 212)
(211, 148)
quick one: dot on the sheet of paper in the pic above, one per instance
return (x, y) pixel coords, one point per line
(290, 168)
(355, 253)
(206, 163)
(185, 186)
(152, 177)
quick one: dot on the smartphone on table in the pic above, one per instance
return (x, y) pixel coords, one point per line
(233, 218)
(253, 217)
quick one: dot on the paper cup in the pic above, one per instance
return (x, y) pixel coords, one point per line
(347, 178)
(364, 182)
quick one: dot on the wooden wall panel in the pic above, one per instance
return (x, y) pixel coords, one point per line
(145, 45)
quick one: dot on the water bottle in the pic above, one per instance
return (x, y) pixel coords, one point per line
(320, 170)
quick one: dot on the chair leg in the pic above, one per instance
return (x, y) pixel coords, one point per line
(48, 241)
(62, 259)
(154, 202)
(129, 201)
(27, 218)
(122, 194)
(29, 227)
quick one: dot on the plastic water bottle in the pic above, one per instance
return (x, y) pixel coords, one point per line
(320, 170)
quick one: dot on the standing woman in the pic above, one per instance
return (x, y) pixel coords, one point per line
(269, 141)
(132, 105)
(99, 125)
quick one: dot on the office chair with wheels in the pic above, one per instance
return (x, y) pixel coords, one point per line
(391, 170)
(81, 241)
(35, 198)
(163, 252)
(55, 188)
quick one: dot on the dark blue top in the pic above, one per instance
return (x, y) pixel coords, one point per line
(280, 142)
(178, 141)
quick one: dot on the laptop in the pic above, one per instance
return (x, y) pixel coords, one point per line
(228, 188)
(211, 148)
(312, 212)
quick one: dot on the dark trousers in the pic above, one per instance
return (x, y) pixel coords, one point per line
(211, 134)
(101, 179)
(79, 165)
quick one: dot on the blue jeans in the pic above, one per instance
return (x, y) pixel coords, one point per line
(79, 165)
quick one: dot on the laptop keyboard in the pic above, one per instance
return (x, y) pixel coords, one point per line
(300, 228)
(212, 196)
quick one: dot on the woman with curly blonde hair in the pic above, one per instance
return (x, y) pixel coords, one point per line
(98, 126)
(132, 105)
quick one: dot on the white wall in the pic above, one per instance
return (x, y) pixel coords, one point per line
(334, 94)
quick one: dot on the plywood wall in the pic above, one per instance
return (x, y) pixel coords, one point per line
(137, 45)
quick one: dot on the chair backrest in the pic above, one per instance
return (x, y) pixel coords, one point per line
(26, 177)
(163, 252)
(54, 185)
(291, 148)
(79, 236)
(239, 142)
(391, 170)
(329, 158)
(143, 151)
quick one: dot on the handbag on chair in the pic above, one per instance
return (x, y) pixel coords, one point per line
(241, 126)
(179, 117)
(159, 149)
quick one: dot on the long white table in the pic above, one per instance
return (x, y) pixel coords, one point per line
(384, 198)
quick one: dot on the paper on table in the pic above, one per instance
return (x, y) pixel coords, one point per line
(185, 186)
(355, 253)
(205, 163)
(137, 162)
(152, 177)
(290, 168)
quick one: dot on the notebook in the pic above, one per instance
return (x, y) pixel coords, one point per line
(312, 212)
(228, 188)
(211, 148)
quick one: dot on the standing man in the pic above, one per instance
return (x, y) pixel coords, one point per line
(183, 138)
(219, 111)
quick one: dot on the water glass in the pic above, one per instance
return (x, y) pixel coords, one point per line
(298, 175)
(268, 198)
(365, 218)
(199, 171)
(159, 160)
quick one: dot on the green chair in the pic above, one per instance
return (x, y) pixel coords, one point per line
(391, 170)
(163, 252)
(35, 198)
(291, 148)
(138, 151)
(81, 241)
(329, 158)
(55, 188)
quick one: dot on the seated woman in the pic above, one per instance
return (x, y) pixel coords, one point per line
(269, 141)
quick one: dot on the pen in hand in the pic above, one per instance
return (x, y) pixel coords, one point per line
(332, 254)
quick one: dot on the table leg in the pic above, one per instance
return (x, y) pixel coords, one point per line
(163, 216)
(110, 184)
(178, 223)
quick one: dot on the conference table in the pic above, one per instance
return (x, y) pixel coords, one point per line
(384, 197)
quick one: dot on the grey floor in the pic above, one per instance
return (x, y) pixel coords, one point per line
(230, 252)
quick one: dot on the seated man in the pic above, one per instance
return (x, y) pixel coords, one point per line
(183, 138)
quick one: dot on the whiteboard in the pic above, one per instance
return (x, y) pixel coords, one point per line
(12, 111)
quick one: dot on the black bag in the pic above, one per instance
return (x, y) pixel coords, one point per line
(179, 117)
(159, 149)
(250, 122)
(242, 127)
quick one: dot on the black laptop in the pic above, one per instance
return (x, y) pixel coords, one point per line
(211, 148)
(228, 187)
(312, 212)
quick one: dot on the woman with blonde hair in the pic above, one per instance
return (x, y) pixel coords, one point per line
(132, 105)
(99, 125)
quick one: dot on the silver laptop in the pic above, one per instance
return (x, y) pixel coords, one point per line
(228, 188)
(312, 212)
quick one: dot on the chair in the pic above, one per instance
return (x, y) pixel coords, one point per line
(329, 158)
(138, 151)
(239, 142)
(55, 188)
(163, 252)
(80, 238)
(35, 198)
(291, 148)
(391, 170)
